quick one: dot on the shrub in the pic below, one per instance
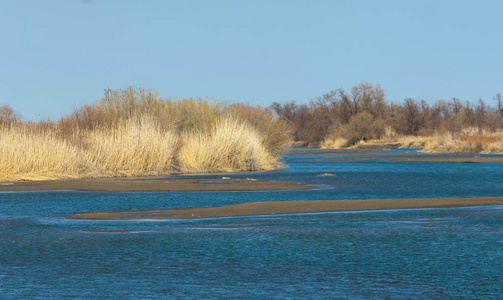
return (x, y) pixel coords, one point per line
(362, 126)
(8, 116)
(334, 141)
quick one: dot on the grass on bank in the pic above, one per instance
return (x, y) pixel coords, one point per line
(468, 141)
(133, 132)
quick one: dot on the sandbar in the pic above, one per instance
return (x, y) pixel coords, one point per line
(152, 185)
(294, 207)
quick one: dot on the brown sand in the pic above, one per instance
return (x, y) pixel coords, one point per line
(293, 207)
(110, 230)
(151, 185)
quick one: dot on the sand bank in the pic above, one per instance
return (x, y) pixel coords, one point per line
(293, 207)
(152, 185)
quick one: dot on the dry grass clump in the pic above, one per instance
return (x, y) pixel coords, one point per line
(276, 134)
(389, 139)
(334, 141)
(26, 154)
(465, 144)
(445, 143)
(494, 148)
(134, 147)
(231, 146)
(133, 132)
(412, 141)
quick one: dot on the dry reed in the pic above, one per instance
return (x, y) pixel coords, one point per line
(133, 132)
(231, 146)
(135, 147)
(29, 155)
(448, 143)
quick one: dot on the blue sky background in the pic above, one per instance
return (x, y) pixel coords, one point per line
(58, 54)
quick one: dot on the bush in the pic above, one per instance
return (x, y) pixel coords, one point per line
(8, 116)
(362, 126)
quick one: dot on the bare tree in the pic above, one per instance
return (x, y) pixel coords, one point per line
(499, 101)
(411, 119)
(480, 114)
(8, 116)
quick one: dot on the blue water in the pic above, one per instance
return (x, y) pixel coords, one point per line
(395, 254)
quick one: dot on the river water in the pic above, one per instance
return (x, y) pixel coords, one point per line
(393, 254)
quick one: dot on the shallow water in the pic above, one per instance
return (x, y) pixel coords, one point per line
(427, 253)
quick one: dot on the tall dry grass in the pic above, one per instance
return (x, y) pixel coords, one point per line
(134, 147)
(389, 139)
(133, 132)
(26, 154)
(276, 134)
(448, 143)
(230, 146)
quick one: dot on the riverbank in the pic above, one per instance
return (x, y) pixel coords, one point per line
(291, 207)
(335, 155)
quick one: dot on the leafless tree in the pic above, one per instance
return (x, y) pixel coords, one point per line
(499, 101)
(8, 116)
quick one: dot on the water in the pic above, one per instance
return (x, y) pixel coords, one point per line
(395, 254)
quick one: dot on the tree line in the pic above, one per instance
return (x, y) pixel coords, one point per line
(366, 109)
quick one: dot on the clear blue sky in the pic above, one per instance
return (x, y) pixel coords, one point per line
(58, 54)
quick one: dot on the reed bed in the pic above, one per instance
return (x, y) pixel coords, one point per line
(440, 143)
(26, 154)
(133, 132)
(492, 144)
(231, 145)
(135, 147)
(387, 139)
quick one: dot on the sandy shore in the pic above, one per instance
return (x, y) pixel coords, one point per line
(151, 185)
(292, 207)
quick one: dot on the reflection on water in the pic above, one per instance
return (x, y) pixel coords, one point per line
(427, 253)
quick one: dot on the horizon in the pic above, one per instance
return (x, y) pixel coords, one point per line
(59, 55)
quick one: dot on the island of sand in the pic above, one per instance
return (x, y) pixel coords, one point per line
(290, 207)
